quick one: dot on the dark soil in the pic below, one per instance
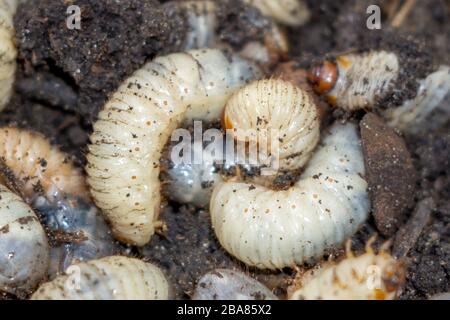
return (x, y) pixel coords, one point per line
(65, 76)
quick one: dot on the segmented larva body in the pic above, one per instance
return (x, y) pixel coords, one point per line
(428, 109)
(367, 277)
(8, 50)
(133, 127)
(24, 250)
(35, 163)
(276, 229)
(110, 278)
(279, 105)
(289, 12)
(356, 81)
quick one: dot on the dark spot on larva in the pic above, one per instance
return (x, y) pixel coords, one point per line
(4, 229)
(26, 220)
(43, 163)
(252, 187)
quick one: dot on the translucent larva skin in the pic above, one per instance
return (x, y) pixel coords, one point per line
(63, 203)
(363, 79)
(24, 250)
(427, 110)
(276, 229)
(35, 162)
(133, 127)
(110, 278)
(289, 12)
(267, 104)
(224, 284)
(8, 50)
(367, 277)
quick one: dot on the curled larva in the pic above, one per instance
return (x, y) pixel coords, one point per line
(275, 110)
(224, 284)
(427, 110)
(52, 185)
(8, 50)
(367, 277)
(202, 22)
(275, 229)
(288, 12)
(24, 250)
(110, 278)
(356, 81)
(133, 127)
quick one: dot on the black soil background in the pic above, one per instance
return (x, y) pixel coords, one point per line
(65, 76)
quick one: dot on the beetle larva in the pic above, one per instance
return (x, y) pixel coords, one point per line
(427, 110)
(8, 50)
(224, 284)
(355, 81)
(275, 229)
(275, 104)
(57, 190)
(367, 277)
(24, 250)
(288, 12)
(133, 127)
(110, 278)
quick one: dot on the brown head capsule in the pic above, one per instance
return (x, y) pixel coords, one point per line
(323, 76)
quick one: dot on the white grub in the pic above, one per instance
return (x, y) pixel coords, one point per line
(276, 229)
(24, 250)
(279, 105)
(8, 50)
(429, 110)
(225, 284)
(363, 79)
(133, 127)
(367, 277)
(110, 278)
(293, 13)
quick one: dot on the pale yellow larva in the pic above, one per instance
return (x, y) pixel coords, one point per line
(133, 127)
(110, 278)
(37, 164)
(24, 250)
(356, 81)
(8, 50)
(279, 105)
(367, 277)
(275, 229)
(289, 12)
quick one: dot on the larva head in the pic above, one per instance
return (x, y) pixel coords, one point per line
(278, 118)
(323, 76)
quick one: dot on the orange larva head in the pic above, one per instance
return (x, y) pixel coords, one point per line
(323, 76)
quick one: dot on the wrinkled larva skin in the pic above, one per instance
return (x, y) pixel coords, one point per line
(224, 284)
(289, 12)
(110, 278)
(8, 50)
(367, 277)
(75, 216)
(267, 104)
(428, 110)
(202, 22)
(363, 79)
(35, 162)
(24, 250)
(133, 127)
(63, 203)
(276, 229)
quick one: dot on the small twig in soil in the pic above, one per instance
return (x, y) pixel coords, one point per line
(403, 13)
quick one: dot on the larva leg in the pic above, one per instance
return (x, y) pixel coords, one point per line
(24, 250)
(133, 127)
(110, 278)
(276, 229)
(57, 190)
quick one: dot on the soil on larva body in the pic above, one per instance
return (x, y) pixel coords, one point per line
(65, 76)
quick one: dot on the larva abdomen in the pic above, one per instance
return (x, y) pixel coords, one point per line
(133, 127)
(24, 250)
(110, 278)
